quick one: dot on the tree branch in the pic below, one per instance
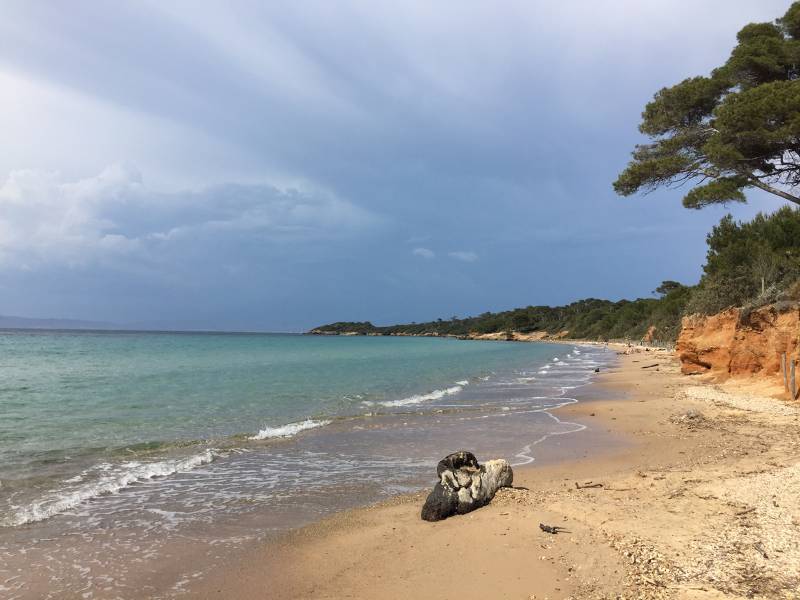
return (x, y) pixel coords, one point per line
(768, 188)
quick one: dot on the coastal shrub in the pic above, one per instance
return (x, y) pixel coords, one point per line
(748, 262)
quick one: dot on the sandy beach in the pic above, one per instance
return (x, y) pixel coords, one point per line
(390, 301)
(701, 499)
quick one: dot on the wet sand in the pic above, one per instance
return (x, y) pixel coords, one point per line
(700, 500)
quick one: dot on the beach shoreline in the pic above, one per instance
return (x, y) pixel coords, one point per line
(135, 521)
(676, 511)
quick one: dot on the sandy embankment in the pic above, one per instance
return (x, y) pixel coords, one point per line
(704, 503)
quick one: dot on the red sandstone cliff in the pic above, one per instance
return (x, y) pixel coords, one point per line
(737, 343)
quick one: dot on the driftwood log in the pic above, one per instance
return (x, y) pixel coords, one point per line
(465, 485)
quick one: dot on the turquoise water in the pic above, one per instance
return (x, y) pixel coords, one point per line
(115, 447)
(70, 399)
(65, 394)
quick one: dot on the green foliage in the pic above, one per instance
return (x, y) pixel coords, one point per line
(752, 262)
(790, 22)
(756, 128)
(682, 106)
(666, 287)
(585, 319)
(736, 129)
(724, 189)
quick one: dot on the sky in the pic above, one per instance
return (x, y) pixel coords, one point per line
(274, 166)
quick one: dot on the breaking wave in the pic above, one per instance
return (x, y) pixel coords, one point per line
(418, 398)
(123, 476)
(288, 430)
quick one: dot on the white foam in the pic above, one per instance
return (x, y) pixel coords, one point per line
(127, 474)
(525, 455)
(463, 382)
(288, 430)
(418, 398)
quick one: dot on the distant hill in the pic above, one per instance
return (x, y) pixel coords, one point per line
(657, 318)
(11, 322)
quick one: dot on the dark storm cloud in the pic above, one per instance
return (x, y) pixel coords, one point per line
(282, 156)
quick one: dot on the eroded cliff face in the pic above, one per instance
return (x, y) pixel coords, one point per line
(737, 344)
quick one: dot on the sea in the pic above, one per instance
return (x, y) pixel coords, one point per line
(131, 461)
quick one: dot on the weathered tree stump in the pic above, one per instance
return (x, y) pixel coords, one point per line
(464, 485)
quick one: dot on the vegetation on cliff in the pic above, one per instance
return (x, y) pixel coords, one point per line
(750, 263)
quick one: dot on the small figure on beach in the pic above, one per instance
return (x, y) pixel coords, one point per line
(554, 529)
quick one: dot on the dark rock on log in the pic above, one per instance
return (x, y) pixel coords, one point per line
(457, 460)
(464, 485)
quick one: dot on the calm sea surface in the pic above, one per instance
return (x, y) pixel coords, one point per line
(115, 448)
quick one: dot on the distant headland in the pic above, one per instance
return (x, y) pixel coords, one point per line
(591, 319)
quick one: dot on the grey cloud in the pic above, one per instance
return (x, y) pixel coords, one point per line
(426, 253)
(486, 130)
(115, 216)
(463, 255)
